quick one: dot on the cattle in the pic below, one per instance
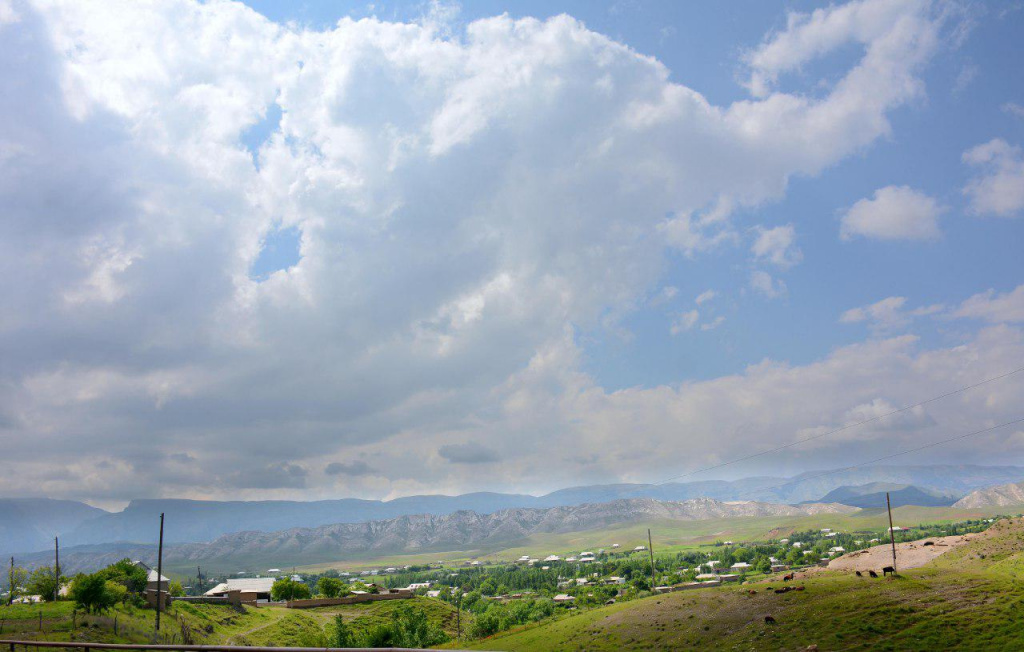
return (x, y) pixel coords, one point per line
(859, 574)
(782, 590)
(798, 588)
(751, 592)
(872, 573)
(888, 570)
(768, 620)
(929, 543)
(786, 578)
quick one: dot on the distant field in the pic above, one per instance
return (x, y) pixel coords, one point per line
(671, 536)
(971, 598)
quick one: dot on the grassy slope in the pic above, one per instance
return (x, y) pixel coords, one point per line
(970, 598)
(670, 536)
(210, 624)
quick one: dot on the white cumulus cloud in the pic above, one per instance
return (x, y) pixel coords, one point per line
(893, 213)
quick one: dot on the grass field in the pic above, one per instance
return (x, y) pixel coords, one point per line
(671, 536)
(210, 624)
(971, 598)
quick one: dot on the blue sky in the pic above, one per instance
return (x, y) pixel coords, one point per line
(324, 249)
(702, 44)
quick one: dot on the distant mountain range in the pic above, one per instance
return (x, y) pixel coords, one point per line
(1007, 494)
(30, 524)
(460, 530)
(872, 496)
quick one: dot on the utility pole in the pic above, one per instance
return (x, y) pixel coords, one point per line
(56, 568)
(892, 534)
(160, 573)
(199, 576)
(10, 584)
(650, 547)
(458, 616)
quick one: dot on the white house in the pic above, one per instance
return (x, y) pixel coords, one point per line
(615, 545)
(740, 566)
(836, 550)
(552, 558)
(639, 548)
(563, 598)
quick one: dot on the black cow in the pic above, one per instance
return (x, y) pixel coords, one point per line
(768, 620)
(859, 574)
(872, 573)
(888, 570)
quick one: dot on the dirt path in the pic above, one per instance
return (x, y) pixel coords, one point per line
(908, 555)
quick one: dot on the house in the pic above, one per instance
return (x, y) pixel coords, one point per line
(727, 543)
(615, 545)
(741, 566)
(639, 548)
(729, 577)
(826, 529)
(418, 585)
(552, 558)
(837, 550)
(433, 594)
(808, 552)
(563, 598)
(783, 540)
(247, 590)
(798, 545)
(615, 579)
(151, 578)
(570, 559)
(776, 568)
(584, 558)
(523, 559)
(706, 576)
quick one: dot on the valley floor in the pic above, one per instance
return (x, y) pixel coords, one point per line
(970, 598)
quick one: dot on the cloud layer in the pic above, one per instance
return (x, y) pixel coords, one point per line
(463, 205)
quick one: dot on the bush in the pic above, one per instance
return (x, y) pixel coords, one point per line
(330, 587)
(43, 582)
(94, 593)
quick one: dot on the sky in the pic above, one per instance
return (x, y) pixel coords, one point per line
(326, 249)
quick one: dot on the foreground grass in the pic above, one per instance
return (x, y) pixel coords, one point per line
(970, 599)
(212, 624)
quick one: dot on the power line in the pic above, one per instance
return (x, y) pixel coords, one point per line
(841, 429)
(892, 455)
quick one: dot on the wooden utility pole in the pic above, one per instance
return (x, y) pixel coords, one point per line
(650, 547)
(892, 534)
(160, 573)
(56, 568)
(10, 584)
(199, 578)
(458, 617)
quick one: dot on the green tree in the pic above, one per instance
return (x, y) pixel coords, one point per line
(128, 574)
(94, 593)
(288, 589)
(16, 578)
(43, 582)
(342, 634)
(176, 589)
(330, 587)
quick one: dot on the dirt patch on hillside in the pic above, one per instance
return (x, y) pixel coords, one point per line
(912, 554)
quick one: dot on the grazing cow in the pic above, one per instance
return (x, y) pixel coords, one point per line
(859, 574)
(929, 543)
(872, 573)
(786, 578)
(785, 590)
(768, 620)
(799, 588)
(888, 570)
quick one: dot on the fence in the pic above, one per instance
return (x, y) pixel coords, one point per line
(349, 599)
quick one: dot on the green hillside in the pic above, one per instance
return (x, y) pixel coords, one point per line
(971, 598)
(212, 624)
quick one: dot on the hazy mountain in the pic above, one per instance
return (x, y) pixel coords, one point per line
(424, 532)
(31, 523)
(199, 521)
(872, 495)
(1007, 494)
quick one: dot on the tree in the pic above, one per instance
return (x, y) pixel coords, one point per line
(43, 582)
(330, 587)
(130, 575)
(342, 635)
(176, 589)
(288, 589)
(95, 593)
(16, 578)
